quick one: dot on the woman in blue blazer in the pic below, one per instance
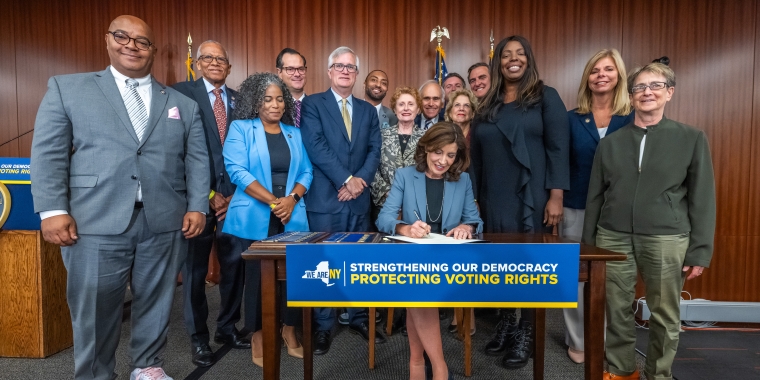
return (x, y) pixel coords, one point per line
(433, 196)
(266, 159)
(603, 108)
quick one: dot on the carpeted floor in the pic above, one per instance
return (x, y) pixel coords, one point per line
(347, 358)
(712, 354)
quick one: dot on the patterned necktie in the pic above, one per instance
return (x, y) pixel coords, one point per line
(298, 114)
(135, 108)
(346, 118)
(428, 124)
(220, 114)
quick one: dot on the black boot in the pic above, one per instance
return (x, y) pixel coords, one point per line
(504, 336)
(518, 355)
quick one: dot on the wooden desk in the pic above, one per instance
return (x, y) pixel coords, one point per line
(592, 270)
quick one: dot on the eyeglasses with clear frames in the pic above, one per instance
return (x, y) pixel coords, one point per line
(292, 70)
(340, 67)
(122, 38)
(462, 105)
(654, 86)
(219, 59)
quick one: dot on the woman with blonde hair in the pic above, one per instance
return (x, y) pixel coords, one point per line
(603, 108)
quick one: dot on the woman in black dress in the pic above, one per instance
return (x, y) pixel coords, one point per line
(520, 168)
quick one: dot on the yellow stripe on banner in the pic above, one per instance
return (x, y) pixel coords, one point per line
(536, 305)
(8, 182)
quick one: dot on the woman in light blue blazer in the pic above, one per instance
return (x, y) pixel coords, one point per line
(266, 160)
(434, 196)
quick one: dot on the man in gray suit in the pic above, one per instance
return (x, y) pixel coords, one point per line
(375, 89)
(120, 179)
(216, 102)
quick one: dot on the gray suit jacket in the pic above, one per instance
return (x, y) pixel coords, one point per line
(386, 117)
(86, 157)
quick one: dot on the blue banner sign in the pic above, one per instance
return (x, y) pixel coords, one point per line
(14, 170)
(419, 275)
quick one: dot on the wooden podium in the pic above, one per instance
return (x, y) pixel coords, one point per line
(34, 317)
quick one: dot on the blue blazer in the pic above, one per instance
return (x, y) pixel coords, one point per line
(334, 156)
(246, 158)
(583, 141)
(408, 194)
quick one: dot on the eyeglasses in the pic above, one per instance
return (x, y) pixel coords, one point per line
(122, 38)
(460, 105)
(209, 58)
(340, 67)
(292, 70)
(652, 86)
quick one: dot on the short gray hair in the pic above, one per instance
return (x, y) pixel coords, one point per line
(340, 51)
(435, 82)
(198, 53)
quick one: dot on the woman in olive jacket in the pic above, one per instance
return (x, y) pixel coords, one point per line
(651, 197)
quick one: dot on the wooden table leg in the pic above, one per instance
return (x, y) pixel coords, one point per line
(593, 319)
(270, 320)
(464, 326)
(539, 339)
(389, 322)
(371, 338)
(308, 352)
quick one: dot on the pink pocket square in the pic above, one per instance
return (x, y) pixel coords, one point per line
(174, 113)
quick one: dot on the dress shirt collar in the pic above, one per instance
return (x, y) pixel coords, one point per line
(302, 97)
(122, 79)
(210, 87)
(339, 98)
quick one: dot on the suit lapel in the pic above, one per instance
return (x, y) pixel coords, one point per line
(590, 125)
(201, 97)
(335, 112)
(357, 118)
(260, 138)
(616, 123)
(420, 191)
(107, 84)
(449, 193)
(157, 106)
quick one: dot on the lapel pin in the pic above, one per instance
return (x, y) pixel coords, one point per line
(289, 136)
(163, 92)
(588, 120)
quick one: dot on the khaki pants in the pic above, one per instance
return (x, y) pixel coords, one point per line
(659, 259)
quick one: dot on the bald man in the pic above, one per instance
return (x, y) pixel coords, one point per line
(121, 181)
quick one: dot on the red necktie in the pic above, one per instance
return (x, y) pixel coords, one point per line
(298, 114)
(220, 113)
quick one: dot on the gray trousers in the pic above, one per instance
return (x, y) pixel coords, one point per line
(571, 228)
(99, 267)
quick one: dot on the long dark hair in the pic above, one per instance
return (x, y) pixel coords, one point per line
(530, 91)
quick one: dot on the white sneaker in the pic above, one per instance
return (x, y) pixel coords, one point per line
(150, 373)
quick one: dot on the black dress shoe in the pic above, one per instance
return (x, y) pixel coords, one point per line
(362, 329)
(202, 355)
(234, 340)
(322, 342)
(504, 336)
(518, 355)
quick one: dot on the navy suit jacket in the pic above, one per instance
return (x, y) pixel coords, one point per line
(441, 117)
(220, 180)
(334, 156)
(584, 139)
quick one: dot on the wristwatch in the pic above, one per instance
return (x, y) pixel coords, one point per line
(295, 196)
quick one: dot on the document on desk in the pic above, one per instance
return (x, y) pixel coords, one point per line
(433, 239)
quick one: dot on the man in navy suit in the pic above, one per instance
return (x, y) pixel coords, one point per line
(216, 103)
(433, 96)
(342, 136)
(291, 68)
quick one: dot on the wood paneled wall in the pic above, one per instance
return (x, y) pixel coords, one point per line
(714, 49)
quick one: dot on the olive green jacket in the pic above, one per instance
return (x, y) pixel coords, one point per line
(672, 193)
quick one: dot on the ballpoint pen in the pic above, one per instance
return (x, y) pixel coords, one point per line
(418, 218)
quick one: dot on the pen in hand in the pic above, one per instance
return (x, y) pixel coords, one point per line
(426, 227)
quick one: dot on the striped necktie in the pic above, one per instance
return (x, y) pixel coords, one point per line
(298, 114)
(346, 118)
(136, 108)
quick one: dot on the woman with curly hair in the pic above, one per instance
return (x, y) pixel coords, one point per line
(265, 158)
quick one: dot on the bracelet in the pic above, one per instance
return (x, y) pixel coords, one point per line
(211, 194)
(349, 178)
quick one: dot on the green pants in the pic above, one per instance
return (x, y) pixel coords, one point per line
(659, 259)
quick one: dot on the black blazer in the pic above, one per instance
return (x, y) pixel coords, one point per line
(220, 180)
